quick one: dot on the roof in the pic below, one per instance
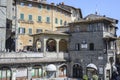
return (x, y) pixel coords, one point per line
(47, 4)
(51, 33)
(63, 6)
(96, 18)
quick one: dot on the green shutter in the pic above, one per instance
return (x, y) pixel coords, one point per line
(33, 72)
(40, 6)
(39, 18)
(8, 73)
(40, 72)
(48, 19)
(61, 22)
(30, 17)
(22, 16)
(30, 31)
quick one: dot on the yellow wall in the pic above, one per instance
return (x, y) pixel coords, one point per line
(53, 13)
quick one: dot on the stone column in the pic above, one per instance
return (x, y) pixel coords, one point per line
(44, 47)
(57, 72)
(57, 47)
(13, 70)
(29, 70)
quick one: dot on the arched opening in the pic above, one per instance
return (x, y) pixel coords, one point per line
(63, 45)
(5, 73)
(63, 71)
(21, 73)
(51, 45)
(77, 71)
(38, 45)
(51, 71)
(37, 71)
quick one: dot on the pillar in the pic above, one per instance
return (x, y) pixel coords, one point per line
(57, 47)
(29, 70)
(44, 47)
(13, 70)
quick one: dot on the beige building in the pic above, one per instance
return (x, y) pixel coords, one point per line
(37, 16)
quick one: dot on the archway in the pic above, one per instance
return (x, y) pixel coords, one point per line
(21, 73)
(51, 45)
(63, 45)
(77, 71)
(5, 73)
(38, 45)
(63, 71)
(37, 71)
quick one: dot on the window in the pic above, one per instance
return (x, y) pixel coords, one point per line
(30, 31)
(22, 16)
(77, 46)
(48, 19)
(40, 6)
(39, 18)
(22, 4)
(22, 30)
(61, 22)
(39, 30)
(65, 23)
(30, 5)
(30, 17)
(91, 46)
(48, 7)
(56, 20)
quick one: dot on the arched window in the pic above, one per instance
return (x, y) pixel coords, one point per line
(91, 46)
(77, 71)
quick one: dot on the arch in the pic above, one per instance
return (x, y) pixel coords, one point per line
(38, 45)
(51, 45)
(21, 73)
(5, 73)
(77, 71)
(63, 45)
(63, 71)
(37, 71)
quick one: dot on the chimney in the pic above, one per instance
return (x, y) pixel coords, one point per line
(53, 4)
(62, 3)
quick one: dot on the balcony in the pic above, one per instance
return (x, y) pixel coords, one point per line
(32, 57)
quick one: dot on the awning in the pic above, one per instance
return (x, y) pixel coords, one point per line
(51, 67)
(91, 65)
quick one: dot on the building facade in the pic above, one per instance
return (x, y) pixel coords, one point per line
(35, 16)
(92, 47)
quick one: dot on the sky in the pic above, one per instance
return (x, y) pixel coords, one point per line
(110, 8)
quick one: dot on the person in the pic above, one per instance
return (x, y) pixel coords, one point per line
(115, 76)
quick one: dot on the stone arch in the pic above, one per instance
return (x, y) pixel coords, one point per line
(37, 71)
(63, 70)
(5, 73)
(77, 71)
(38, 45)
(51, 45)
(21, 72)
(63, 45)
